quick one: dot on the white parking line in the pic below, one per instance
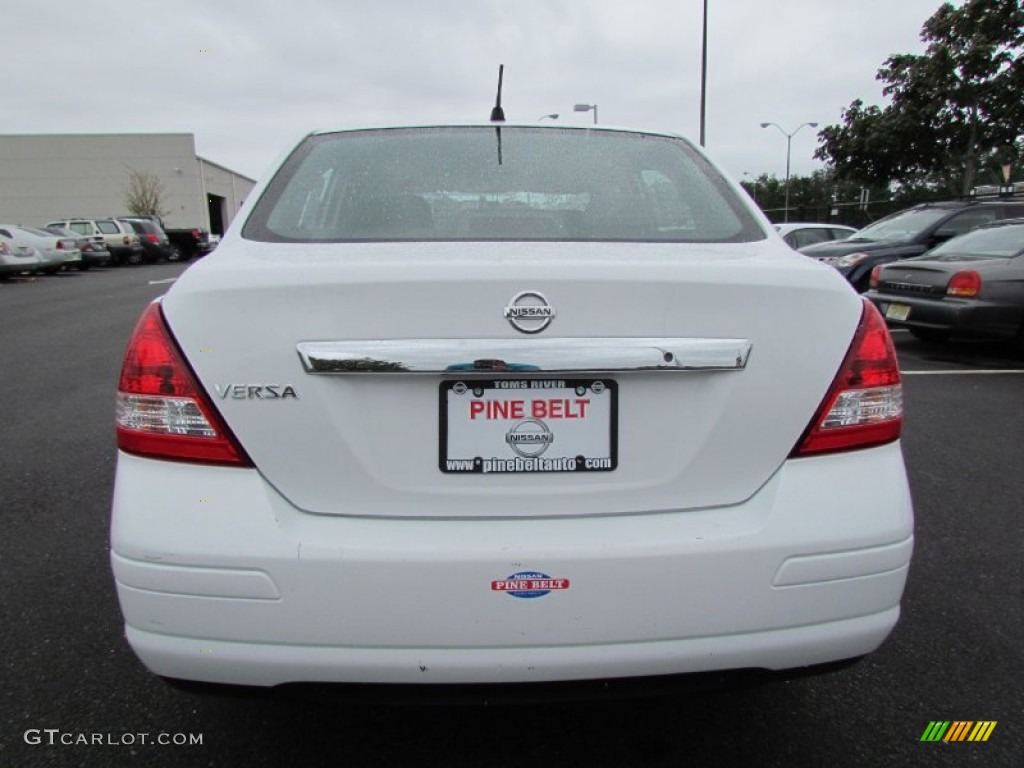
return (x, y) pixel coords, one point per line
(161, 282)
(996, 372)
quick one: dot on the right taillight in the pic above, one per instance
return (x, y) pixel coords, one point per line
(864, 405)
(161, 410)
(965, 284)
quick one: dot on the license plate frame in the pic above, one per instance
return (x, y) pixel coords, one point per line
(575, 429)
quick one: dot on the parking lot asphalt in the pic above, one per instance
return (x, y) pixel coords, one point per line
(68, 673)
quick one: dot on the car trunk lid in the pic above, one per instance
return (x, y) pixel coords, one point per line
(359, 442)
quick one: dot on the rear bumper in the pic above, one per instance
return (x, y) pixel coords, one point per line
(266, 664)
(221, 580)
(966, 316)
(96, 258)
(124, 252)
(16, 265)
(49, 261)
(154, 253)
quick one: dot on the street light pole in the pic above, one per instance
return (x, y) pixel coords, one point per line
(586, 108)
(789, 147)
(703, 73)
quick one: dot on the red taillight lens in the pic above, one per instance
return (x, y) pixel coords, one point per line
(876, 273)
(127, 240)
(196, 234)
(864, 405)
(966, 284)
(60, 245)
(152, 238)
(161, 411)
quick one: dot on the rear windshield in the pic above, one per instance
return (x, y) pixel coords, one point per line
(994, 243)
(507, 183)
(902, 226)
(40, 232)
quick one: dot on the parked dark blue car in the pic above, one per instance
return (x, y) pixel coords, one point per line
(908, 233)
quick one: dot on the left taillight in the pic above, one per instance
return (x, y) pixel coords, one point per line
(864, 405)
(876, 276)
(162, 412)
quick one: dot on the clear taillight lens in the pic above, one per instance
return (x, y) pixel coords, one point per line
(161, 410)
(864, 405)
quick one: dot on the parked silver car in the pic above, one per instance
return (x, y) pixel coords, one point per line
(56, 252)
(16, 257)
(801, 234)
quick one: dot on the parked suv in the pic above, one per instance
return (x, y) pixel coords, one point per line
(94, 249)
(122, 242)
(186, 243)
(907, 233)
(154, 240)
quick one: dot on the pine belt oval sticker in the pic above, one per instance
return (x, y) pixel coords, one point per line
(527, 584)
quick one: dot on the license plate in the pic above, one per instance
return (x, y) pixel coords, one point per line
(528, 425)
(897, 312)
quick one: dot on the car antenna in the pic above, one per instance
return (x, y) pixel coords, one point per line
(498, 114)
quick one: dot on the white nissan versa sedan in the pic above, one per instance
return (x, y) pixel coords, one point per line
(506, 403)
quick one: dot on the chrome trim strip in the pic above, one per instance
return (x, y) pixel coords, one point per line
(523, 356)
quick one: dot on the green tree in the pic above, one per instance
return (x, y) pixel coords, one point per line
(821, 196)
(949, 110)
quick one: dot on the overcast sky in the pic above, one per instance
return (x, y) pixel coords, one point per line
(250, 77)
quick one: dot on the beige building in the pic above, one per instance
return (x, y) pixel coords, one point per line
(47, 177)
